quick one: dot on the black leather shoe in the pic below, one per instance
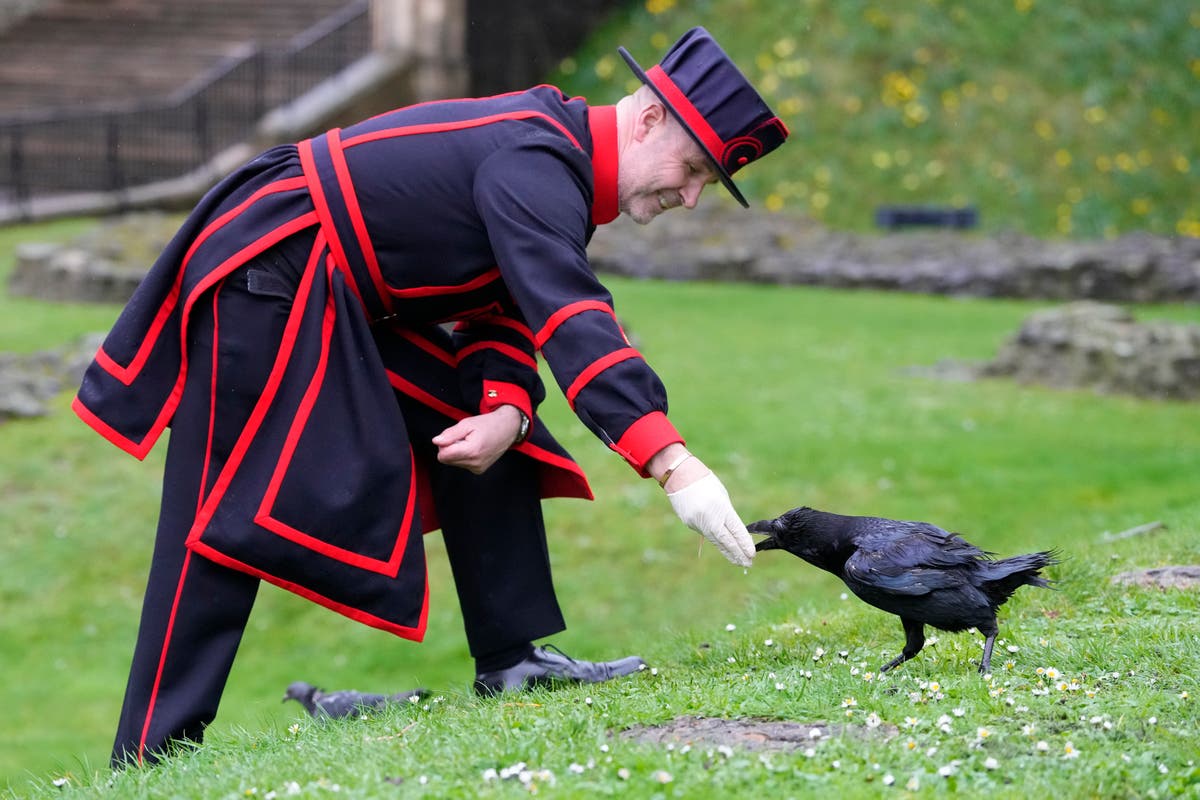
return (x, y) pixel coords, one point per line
(543, 667)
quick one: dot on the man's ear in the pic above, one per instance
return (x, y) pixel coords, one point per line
(649, 117)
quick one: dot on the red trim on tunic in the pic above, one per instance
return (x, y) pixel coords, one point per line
(644, 438)
(484, 279)
(566, 312)
(502, 393)
(595, 368)
(602, 120)
(350, 198)
(458, 125)
(162, 658)
(317, 191)
(691, 115)
(429, 346)
(520, 356)
(416, 633)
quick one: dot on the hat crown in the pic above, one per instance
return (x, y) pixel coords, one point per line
(725, 98)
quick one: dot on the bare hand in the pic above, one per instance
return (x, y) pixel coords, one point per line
(475, 443)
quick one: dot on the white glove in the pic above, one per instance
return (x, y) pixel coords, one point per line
(704, 506)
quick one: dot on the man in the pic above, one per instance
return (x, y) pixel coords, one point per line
(292, 336)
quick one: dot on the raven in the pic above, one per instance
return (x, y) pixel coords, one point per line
(915, 570)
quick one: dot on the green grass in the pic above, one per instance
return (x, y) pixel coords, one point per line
(1054, 119)
(794, 396)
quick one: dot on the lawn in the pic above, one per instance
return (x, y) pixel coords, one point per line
(793, 395)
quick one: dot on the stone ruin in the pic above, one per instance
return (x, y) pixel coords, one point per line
(103, 265)
(1088, 345)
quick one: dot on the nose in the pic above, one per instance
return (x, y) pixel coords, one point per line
(691, 193)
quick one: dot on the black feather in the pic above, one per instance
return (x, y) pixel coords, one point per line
(915, 570)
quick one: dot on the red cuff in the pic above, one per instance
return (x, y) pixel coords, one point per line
(644, 438)
(499, 393)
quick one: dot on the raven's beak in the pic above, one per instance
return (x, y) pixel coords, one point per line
(766, 527)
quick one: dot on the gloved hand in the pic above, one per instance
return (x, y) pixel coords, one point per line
(704, 506)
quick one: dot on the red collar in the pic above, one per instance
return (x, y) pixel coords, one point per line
(602, 120)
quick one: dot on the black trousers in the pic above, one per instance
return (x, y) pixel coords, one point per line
(195, 611)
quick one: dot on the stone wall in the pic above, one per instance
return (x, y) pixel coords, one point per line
(718, 243)
(1087, 345)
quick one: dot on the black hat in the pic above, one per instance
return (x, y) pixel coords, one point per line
(706, 92)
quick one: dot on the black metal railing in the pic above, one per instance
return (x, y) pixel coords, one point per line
(116, 146)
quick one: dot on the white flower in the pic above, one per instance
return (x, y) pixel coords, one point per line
(991, 763)
(946, 771)
(873, 720)
(889, 779)
(587, 700)
(1069, 751)
(779, 686)
(61, 782)
(490, 774)
(1042, 746)
(818, 653)
(725, 750)
(810, 752)
(623, 774)
(577, 768)
(654, 670)
(768, 642)
(1163, 769)
(1012, 648)
(913, 784)
(662, 776)
(731, 627)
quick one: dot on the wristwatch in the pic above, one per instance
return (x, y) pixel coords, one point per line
(522, 434)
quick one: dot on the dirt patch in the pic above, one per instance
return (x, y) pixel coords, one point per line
(750, 734)
(1183, 577)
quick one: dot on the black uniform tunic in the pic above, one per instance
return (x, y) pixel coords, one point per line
(471, 212)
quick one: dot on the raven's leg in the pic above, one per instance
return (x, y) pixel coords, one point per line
(914, 640)
(990, 630)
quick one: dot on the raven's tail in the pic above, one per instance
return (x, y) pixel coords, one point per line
(1004, 576)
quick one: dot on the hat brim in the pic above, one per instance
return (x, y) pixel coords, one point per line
(714, 161)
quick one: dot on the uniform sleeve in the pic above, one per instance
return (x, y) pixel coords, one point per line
(497, 363)
(534, 201)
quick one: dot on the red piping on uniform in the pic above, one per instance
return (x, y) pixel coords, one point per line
(428, 346)
(565, 313)
(212, 394)
(162, 658)
(350, 198)
(415, 633)
(506, 349)
(317, 192)
(491, 275)
(458, 125)
(595, 368)
(602, 122)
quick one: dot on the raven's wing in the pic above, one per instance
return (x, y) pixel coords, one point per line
(910, 558)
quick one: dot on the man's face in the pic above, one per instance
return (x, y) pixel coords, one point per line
(663, 168)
